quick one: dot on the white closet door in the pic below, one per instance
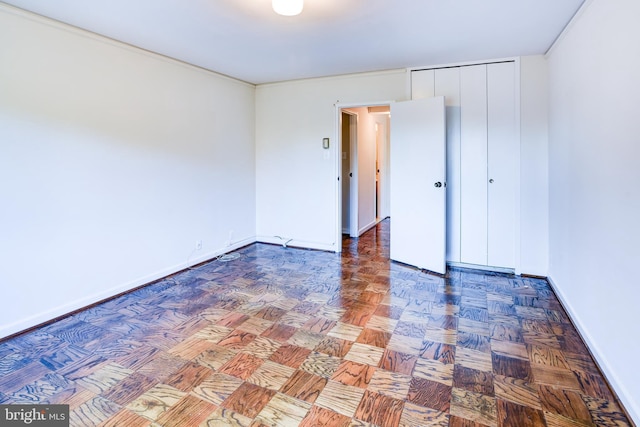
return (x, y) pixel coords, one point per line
(473, 165)
(502, 141)
(422, 84)
(447, 84)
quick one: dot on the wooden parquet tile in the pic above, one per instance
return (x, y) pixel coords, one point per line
(474, 407)
(514, 415)
(430, 394)
(217, 388)
(395, 361)
(418, 416)
(156, 401)
(473, 380)
(248, 399)
(390, 383)
(379, 410)
(304, 386)
(93, 412)
(283, 410)
(353, 373)
(341, 398)
(126, 418)
(321, 417)
(189, 411)
(287, 337)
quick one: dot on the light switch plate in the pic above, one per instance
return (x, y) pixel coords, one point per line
(325, 143)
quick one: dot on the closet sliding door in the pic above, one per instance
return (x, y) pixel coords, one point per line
(502, 164)
(488, 164)
(473, 165)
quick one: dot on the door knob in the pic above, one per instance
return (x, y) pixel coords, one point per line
(437, 184)
(491, 181)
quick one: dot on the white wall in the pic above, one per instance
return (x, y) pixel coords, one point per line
(296, 194)
(534, 166)
(595, 184)
(113, 162)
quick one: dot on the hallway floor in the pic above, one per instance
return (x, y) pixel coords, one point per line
(274, 336)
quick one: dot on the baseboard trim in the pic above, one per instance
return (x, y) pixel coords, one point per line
(294, 243)
(58, 313)
(367, 227)
(481, 267)
(534, 276)
(627, 405)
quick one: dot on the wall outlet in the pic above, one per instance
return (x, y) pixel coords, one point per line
(198, 245)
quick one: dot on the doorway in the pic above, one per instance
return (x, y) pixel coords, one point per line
(349, 172)
(364, 167)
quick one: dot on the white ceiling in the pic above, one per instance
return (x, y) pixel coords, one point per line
(245, 39)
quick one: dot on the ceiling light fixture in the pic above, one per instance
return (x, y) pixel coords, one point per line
(287, 7)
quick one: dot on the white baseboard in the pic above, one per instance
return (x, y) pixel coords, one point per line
(210, 255)
(481, 267)
(621, 391)
(367, 227)
(289, 242)
(62, 310)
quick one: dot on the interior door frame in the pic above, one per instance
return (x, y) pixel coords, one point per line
(337, 155)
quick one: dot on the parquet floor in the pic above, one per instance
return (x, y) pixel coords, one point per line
(286, 337)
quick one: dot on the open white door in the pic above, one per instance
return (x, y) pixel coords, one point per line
(418, 187)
